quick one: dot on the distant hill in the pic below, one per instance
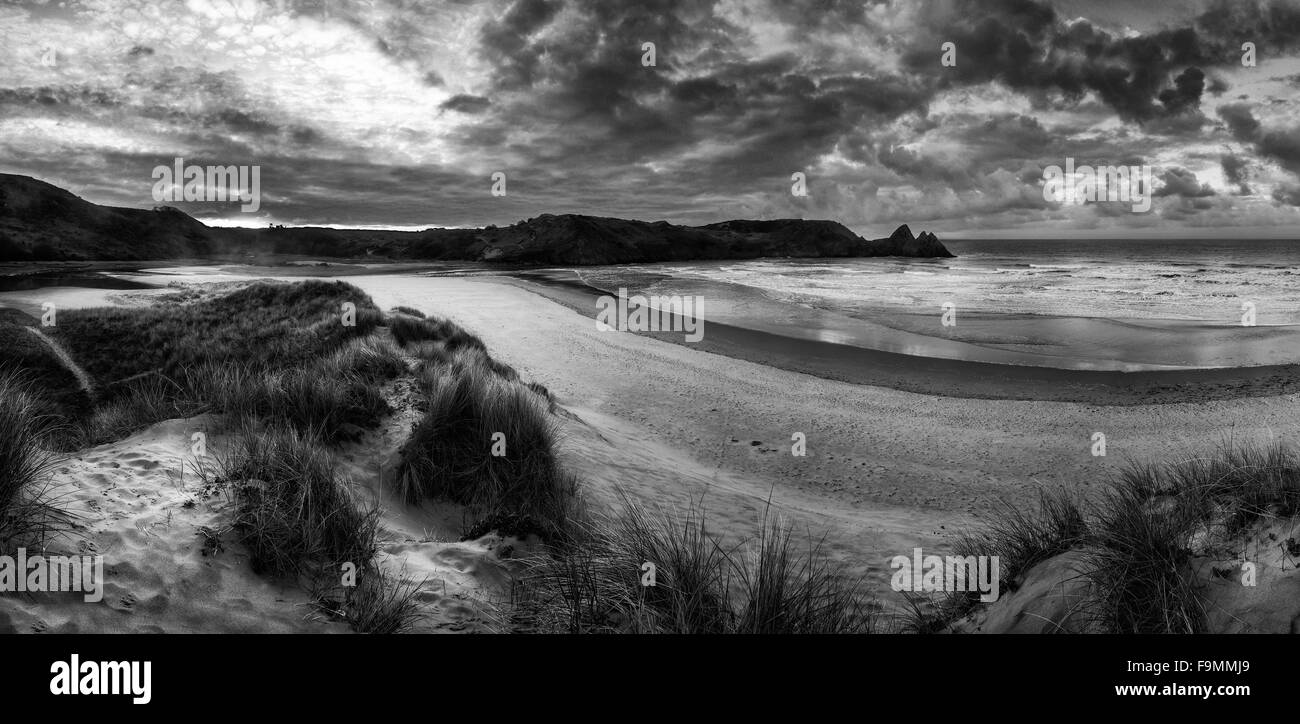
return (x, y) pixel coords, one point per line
(42, 222)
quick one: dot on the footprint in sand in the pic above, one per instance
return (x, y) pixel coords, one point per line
(458, 558)
(126, 603)
(139, 462)
(428, 595)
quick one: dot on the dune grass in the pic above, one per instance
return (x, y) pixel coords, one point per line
(142, 402)
(1020, 538)
(1148, 525)
(489, 444)
(27, 515)
(486, 440)
(1139, 536)
(285, 353)
(265, 325)
(300, 520)
(412, 311)
(774, 583)
(324, 400)
(370, 358)
(408, 329)
(377, 604)
(294, 513)
(48, 377)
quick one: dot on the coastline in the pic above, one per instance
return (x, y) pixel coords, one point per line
(930, 375)
(947, 377)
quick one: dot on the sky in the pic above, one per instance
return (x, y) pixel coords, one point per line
(397, 113)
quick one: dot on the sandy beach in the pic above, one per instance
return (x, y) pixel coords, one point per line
(886, 469)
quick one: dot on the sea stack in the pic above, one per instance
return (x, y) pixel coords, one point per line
(903, 243)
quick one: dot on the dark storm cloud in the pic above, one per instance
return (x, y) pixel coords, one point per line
(1281, 145)
(1236, 170)
(920, 169)
(1006, 136)
(771, 114)
(1241, 121)
(1026, 46)
(241, 122)
(509, 41)
(69, 97)
(1186, 92)
(465, 103)
(780, 112)
(741, 95)
(807, 14)
(746, 121)
(1288, 194)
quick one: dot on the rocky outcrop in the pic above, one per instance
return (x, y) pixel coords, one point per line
(589, 240)
(902, 243)
(575, 239)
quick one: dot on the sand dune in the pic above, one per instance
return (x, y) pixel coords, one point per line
(173, 565)
(144, 509)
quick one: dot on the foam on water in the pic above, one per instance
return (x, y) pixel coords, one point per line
(1186, 297)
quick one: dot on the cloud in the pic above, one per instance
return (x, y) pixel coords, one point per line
(1181, 182)
(1241, 122)
(418, 102)
(1236, 170)
(1025, 45)
(1281, 145)
(465, 103)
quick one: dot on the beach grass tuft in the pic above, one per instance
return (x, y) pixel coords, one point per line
(774, 583)
(1137, 538)
(296, 516)
(28, 515)
(489, 444)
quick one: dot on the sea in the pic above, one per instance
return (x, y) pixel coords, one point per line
(1113, 304)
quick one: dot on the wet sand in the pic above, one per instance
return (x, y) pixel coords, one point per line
(949, 377)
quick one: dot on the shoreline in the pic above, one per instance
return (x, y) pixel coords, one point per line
(931, 375)
(946, 377)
